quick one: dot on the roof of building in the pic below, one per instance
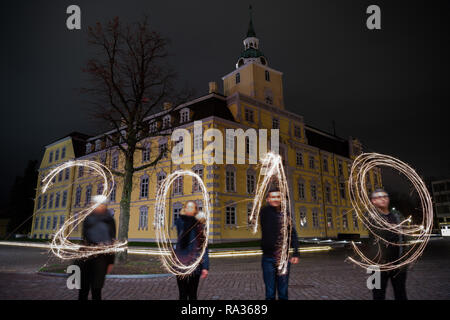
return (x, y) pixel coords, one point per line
(326, 141)
(251, 53)
(78, 141)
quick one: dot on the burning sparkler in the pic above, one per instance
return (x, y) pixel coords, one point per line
(170, 261)
(372, 219)
(272, 167)
(60, 245)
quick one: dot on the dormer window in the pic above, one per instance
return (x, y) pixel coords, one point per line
(108, 141)
(98, 144)
(88, 147)
(184, 115)
(122, 136)
(166, 121)
(153, 127)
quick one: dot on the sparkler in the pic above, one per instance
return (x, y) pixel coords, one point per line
(373, 220)
(170, 261)
(60, 245)
(272, 166)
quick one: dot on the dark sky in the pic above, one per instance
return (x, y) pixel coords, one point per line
(388, 87)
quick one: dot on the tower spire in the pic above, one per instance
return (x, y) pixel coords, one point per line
(251, 30)
(251, 50)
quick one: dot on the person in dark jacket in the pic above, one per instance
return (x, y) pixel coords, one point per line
(191, 237)
(271, 221)
(385, 252)
(99, 228)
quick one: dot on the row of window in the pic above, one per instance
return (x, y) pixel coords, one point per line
(231, 217)
(250, 117)
(56, 154)
(88, 194)
(185, 116)
(313, 191)
(53, 200)
(304, 223)
(238, 76)
(48, 223)
(62, 175)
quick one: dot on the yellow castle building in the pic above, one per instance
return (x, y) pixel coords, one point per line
(317, 164)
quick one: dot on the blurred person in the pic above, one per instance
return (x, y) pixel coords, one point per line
(271, 221)
(191, 236)
(99, 228)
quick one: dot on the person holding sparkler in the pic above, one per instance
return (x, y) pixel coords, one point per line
(191, 236)
(271, 224)
(389, 250)
(99, 229)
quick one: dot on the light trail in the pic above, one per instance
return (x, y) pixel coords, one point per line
(61, 246)
(272, 167)
(372, 219)
(170, 261)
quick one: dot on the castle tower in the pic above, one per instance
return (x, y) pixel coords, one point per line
(252, 76)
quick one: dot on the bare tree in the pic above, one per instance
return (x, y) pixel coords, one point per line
(129, 80)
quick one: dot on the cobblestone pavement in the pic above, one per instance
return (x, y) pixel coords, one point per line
(321, 276)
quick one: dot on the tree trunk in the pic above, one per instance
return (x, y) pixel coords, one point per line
(124, 218)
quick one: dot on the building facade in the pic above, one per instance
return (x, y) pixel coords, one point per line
(441, 199)
(317, 164)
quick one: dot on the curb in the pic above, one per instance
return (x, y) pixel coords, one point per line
(112, 276)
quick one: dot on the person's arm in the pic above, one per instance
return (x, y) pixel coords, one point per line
(84, 231)
(204, 265)
(205, 260)
(112, 226)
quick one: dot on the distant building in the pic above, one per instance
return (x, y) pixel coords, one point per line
(441, 199)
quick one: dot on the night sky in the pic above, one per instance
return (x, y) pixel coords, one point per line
(388, 87)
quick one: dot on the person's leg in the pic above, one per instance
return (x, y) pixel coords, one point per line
(283, 283)
(193, 286)
(380, 294)
(398, 280)
(269, 275)
(83, 292)
(96, 293)
(182, 287)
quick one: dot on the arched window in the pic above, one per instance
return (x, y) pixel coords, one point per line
(143, 218)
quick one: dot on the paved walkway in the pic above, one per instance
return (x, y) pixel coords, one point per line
(322, 275)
